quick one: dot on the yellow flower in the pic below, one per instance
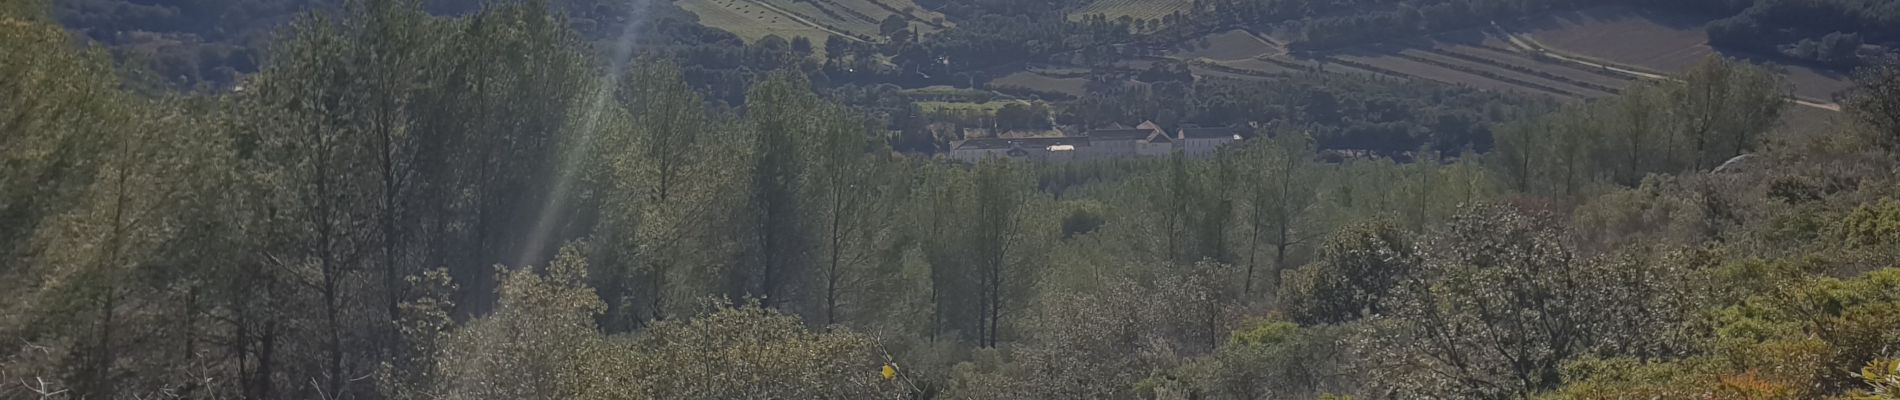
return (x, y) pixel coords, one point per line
(890, 371)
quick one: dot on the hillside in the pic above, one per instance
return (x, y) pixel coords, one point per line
(1258, 199)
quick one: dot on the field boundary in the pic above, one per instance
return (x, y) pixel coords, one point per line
(1234, 70)
(1532, 45)
(828, 10)
(1490, 75)
(894, 10)
(1528, 71)
(801, 18)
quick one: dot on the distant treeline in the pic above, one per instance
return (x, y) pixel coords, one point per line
(1826, 31)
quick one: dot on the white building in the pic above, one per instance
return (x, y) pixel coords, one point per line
(1202, 142)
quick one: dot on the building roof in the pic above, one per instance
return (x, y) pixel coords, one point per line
(1044, 142)
(1226, 132)
(982, 144)
(1151, 125)
(1121, 134)
(1038, 143)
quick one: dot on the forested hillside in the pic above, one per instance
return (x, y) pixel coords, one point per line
(402, 204)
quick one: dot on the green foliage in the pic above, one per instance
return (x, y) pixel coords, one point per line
(1883, 377)
(1796, 341)
(1185, 312)
(330, 231)
(1501, 301)
(539, 343)
(1870, 226)
(747, 353)
(1263, 333)
(1356, 268)
(1853, 319)
(1720, 109)
(1273, 359)
(1876, 102)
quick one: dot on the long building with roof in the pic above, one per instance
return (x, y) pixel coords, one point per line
(1145, 140)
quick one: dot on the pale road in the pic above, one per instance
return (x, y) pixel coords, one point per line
(1531, 45)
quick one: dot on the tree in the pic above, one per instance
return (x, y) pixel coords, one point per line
(1494, 310)
(892, 25)
(747, 352)
(997, 233)
(779, 113)
(538, 342)
(801, 45)
(847, 195)
(1722, 97)
(1876, 101)
(1281, 189)
(1356, 269)
(836, 47)
(659, 173)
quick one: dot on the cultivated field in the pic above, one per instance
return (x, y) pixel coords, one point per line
(813, 19)
(1137, 9)
(1648, 40)
(751, 21)
(1259, 66)
(1323, 64)
(1478, 51)
(1231, 45)
(922, 19)
(826, 14)
(1041, 83)
(1392, 63)
(1218, 71)
(1657, 42)
(1536, 78)
(985, 107)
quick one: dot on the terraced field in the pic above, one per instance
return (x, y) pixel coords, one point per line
(1260, 66)
(813, 19)
(1231, 45)
(1217, 71)
(827, 14)
(1498, 71)
(1325, 65)
(921, 18)
(1137, 9)
(1041, 83)
(751, 21)
(1395, 64)
(1517, 61)
(985, 107)
(1657, 42)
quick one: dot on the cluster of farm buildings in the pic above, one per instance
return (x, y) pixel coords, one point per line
(1146, 139)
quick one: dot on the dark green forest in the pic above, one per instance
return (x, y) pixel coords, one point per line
(413, 200)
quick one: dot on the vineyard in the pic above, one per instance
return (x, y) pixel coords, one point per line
(751, 21)
(813, 19)
(1659, 42)
(1136, 9)
(1031, 83)
(1232, 45)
